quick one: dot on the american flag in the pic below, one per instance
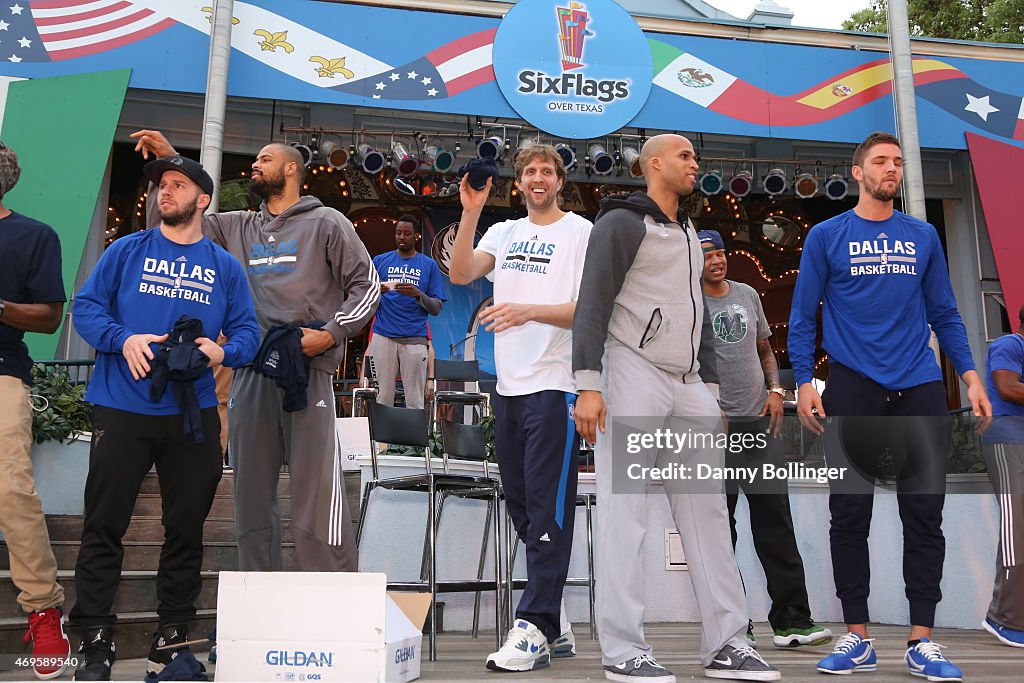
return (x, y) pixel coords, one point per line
(444, 72)
(51, 30)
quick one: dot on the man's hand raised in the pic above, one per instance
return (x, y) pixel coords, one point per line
(473, 200)
(152, 142)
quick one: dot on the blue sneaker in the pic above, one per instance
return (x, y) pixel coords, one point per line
(925, 660)
(1006, 636)
(851, 654)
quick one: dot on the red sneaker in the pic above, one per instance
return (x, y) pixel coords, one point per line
(50, 646)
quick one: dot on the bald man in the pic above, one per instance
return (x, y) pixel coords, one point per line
(306, 266)
(641, 345)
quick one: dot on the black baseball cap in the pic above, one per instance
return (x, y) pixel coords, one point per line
(154, 170)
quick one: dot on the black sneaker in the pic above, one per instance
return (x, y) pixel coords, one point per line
(639, 669)
(96, 654)
(162, 651)
(743, 664)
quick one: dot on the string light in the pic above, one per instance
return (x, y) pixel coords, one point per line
(760, 268)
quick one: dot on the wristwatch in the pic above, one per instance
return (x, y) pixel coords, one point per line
(778, 390)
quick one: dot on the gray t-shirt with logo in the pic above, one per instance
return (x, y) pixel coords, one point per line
(738, 321)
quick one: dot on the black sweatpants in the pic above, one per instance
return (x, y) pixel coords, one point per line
(538, 452)
(771, 526)
(914, 425)
(124, 447)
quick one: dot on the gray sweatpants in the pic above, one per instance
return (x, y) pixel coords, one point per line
(262, 438)
(637, 392)
(391, 359)
(1006, 469)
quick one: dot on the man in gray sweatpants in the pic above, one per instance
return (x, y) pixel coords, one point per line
(305, 263)
(637, 334)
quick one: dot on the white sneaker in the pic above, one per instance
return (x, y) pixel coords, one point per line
(564, 646)
(525, 649)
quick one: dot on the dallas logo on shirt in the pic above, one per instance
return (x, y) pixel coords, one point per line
(529, 256)
(273, 257)
(177, 280)
(884, 257)
(404, 274)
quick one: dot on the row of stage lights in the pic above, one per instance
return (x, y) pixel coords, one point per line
(775, 183)
(434, 157)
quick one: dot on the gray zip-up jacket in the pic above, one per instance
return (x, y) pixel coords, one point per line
(642, 287)
(305, 264)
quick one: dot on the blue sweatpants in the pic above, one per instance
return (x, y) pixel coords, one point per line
(538, 453)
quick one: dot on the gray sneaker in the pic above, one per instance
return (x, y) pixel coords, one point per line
(639, 669)
(743, 664)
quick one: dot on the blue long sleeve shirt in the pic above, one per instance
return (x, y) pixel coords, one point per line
(141, 285)
(882, 284)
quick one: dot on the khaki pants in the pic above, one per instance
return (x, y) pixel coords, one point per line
(33, 567)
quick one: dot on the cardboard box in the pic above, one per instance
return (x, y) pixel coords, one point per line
(317, 626)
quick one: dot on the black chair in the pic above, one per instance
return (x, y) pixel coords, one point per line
(408, 427)
(464, 372)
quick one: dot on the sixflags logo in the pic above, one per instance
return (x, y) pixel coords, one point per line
(572, 31)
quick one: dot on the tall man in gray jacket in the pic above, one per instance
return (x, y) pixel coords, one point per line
(637, 334)
(305, 263)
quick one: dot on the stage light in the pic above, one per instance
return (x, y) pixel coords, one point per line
(741, 184)
(525, 145)
(305, 151)
(631, 160)
(601, 161)
(440, 159)
(334, 154)
(775, 182)
(805, 186)
(370, 160)
(490, 148)
(568, 155)
(837, 187)
(711, 183)
(404, 160)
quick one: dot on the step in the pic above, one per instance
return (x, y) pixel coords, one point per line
(151, 529)
(132, 635)
(225, 487)
(146, 556)
(136, 593)
(151, 505)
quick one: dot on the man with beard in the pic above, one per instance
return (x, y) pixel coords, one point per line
(883, 279)
(536, 264)
(305, 263)
(411, 289)
(641, 327)
(140, 288)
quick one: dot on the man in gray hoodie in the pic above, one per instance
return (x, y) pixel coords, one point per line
(637, 342)
(305, 263)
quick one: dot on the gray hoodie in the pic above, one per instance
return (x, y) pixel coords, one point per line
(305, 264)
(642, 287)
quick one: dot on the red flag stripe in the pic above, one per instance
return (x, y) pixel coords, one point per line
(98, 28)
(82, 16)
(471, 80)
(461, 46)
(57, 4)
(104, 45)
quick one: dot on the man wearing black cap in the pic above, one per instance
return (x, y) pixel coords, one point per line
(31, 300)
(305, 263)
(140, 287)
(746, 368)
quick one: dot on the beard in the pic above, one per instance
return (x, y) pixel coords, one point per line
(182, 216)
(267, 186)
(881, 195)
(551, 198)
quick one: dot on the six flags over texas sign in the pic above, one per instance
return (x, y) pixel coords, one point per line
(573, 69)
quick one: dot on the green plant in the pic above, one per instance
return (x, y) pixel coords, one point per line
(60, 411)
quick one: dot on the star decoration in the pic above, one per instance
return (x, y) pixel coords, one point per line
(16, 8)
(3, 25)
(432, 92)
(426, 80)
(14, 59)
(413, 75)
(25, 42)
(394, 76)
(381, 85)
(980, 106)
